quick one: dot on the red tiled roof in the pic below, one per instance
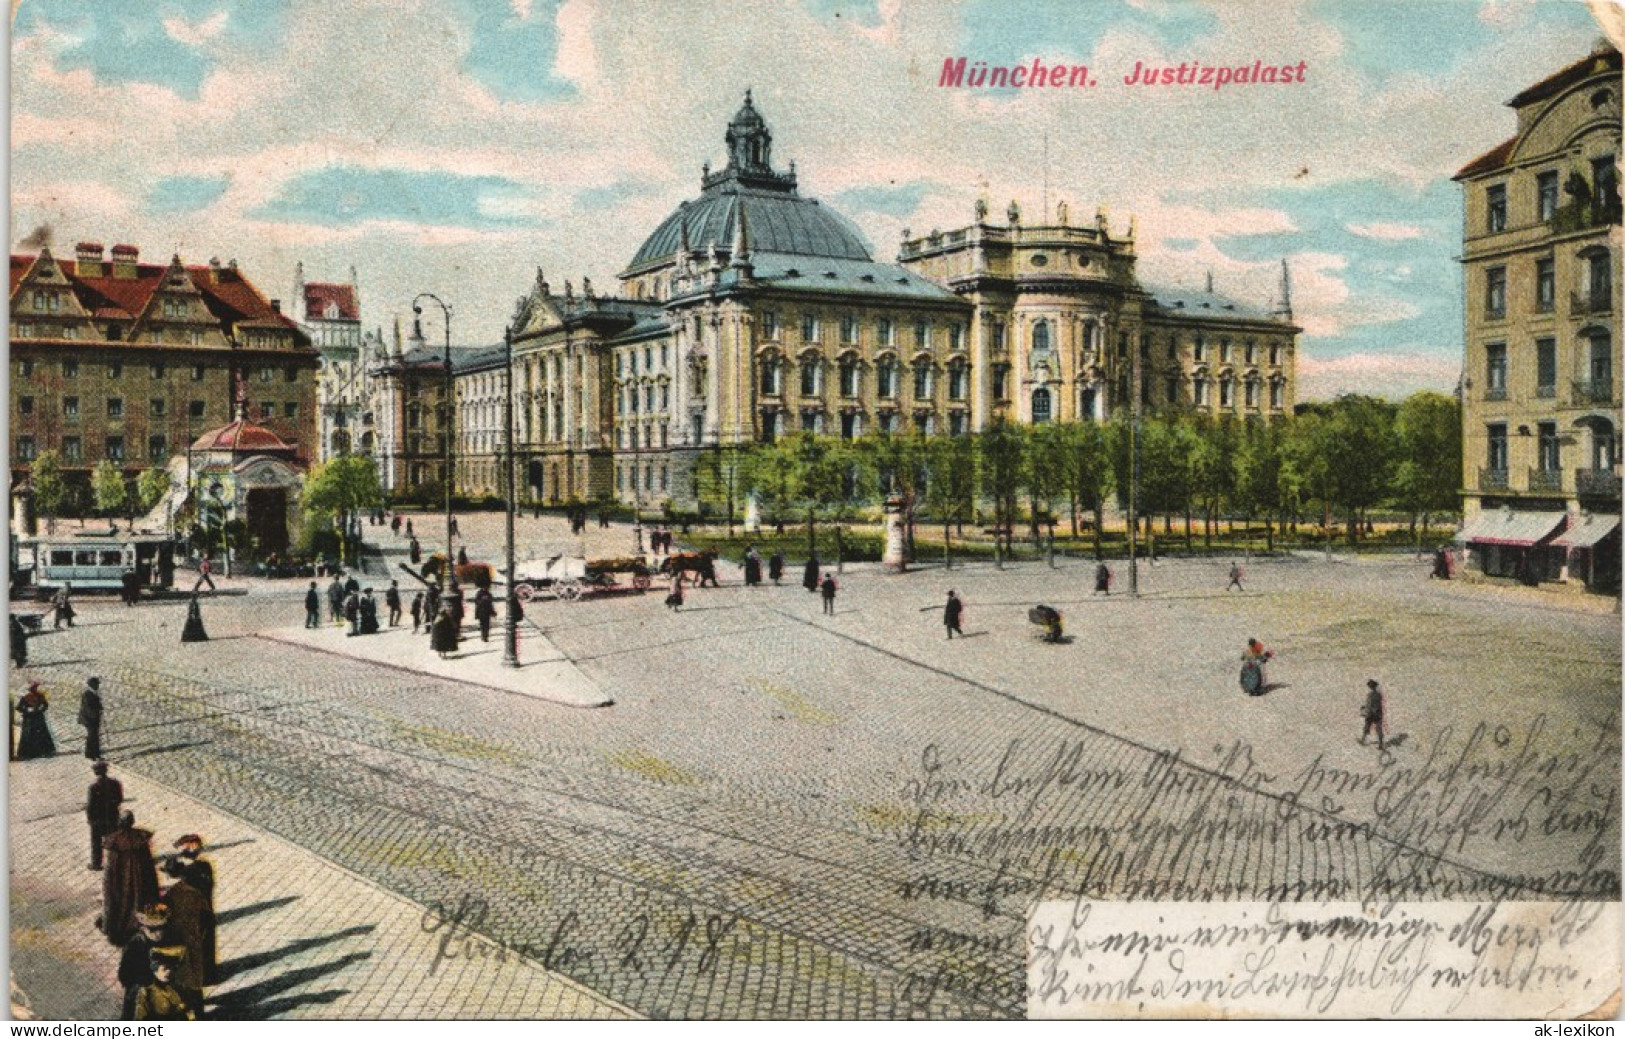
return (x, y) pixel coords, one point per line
(319, 294)
(1492, 159)
(19, 267)
(1588, 66)
(242, 436)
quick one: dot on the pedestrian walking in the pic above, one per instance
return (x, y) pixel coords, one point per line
(828, 589)
(1235, 578)
(809, 574)
(410, 534)
(1375, 713)
(452, 528)
(19, 642)
(369, 613)
(395, 524)
(200, 874)
(417, 612)
(674, 600)
(414, 549)
(1103, 579)
(753, 567)
(335, 599)
(953, 614)
(775, 566)
(205, 571)
(484, 609)
(187, 907)
(313, 607)
(135, 963)
(462, 556)
(351, 584)
(392, 599)
(193, 630)
(454, 599)
(443, 633)
(352, 612)
(160, 999)
(90, 716)
(130, 880)
(130, 587)
(431, 606)
(62, 602)
(102, 803)
(34, 739)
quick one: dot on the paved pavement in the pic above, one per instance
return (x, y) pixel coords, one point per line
(793, 815)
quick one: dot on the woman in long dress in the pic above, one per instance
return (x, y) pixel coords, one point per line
(35, 739)
(443, 633)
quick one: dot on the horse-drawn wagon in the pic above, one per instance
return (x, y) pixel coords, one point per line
(570, 577)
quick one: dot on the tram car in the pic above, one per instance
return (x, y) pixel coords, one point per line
(97, 561)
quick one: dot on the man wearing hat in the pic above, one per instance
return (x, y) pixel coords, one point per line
(160, 1000)
(90, 716)
(130, 880)
(1373, 712)
(102, 803)
(199, 873)
(187, 909)
(135, 965)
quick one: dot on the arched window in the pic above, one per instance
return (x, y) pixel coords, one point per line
(1041, 406)
(1040, 337)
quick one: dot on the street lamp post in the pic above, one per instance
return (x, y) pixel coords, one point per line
(510, 648)
(446, 430)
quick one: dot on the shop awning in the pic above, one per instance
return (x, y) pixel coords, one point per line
(1509, 527)
(1587, 531)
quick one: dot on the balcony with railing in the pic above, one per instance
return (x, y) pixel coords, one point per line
(1597, 483)
(1586, 214)
(1600, 302)
(1492, 479)
(1545, 479)
(1593, 391)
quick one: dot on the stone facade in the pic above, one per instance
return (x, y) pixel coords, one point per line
(1541, 387)
(112, 358)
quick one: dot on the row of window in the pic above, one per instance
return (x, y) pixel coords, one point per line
(1604, 190)
(1599, 370)
(626, 361)
(626, 477)
(1599, 287)
(812, 329)
(852, 424)
(1548, 453)
(887, 375)
(157, 407)
(73, 449)
(26, 368)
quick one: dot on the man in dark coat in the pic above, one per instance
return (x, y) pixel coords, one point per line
(187, 907)
(431, 606)
(809, 575)
(130, 880)
(484, 609)
(130, 587)
(19, 642)
(200, 874)
(952, 615)
(392, 599)
(775, 566)
(1374, 712)
(369, 613)
(454, 599)
(827, 587)
(351, 585)
(335, 599)
(415, 549)
(417, 612)
(352, 612)
(90, 716)
(313, 607)
(135, 964)
(102, 802)
(753, 567)
(1103, 579)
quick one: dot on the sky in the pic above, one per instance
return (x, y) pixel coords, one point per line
(455, 146)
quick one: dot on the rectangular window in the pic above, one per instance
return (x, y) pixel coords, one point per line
(158, 371)
(197, 373)
(1605, 184)
(770, 378)
(1496, 458)
(1170, 388)
(770, 324)
(26, 449)
(1275, 356)
(115, 449)
(1199, 391)
(70, 369)
(922, 383)
(886, 381)
(922, 335)
(1495, 291)
(1001, 379)
(1224, 351)
(809, 328)
(849, 328)
(26, 367)
(1546, 195)
(25, 405)
(157, 448)
(887, 330)
(1227, 393)
(849, 379)
(267, 374)
(1550, 457)
(1173, 347)
(1277, 394)
(849, 424)
(1545, 286)
(72, 450)
(1545, 367)
(194, 409)
(267, 410)
(70, 408)
(958, 382)
(1252, 394)
(809, 378)
(115, 407)
(290, 410)
(998, 335)
(156, 407)
(1495, 371)
(1252, 352)
(956, 336)
(1199, 351)
(1496, 199)
(115, 370)
(290, 373)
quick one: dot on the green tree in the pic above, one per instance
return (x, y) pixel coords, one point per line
(768, 472)
(1088, 475)
(1003, 475)
(151, 488)
(1428, 474)
(107, 485)
(1361, 451)
(950, 486)
(50, 489)
(339, 489)
(818, 478)
(1212, 445)
(1048, 465)
(1259, 476)
(898, 466)
(716, 481)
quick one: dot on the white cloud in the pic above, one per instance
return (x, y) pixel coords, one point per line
(195, 34)
(1385, 231)
(1392, 375)
(577, 57)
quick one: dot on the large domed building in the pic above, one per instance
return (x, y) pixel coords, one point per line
(753, 311)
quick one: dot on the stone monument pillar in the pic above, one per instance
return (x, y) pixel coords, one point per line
(894, 561)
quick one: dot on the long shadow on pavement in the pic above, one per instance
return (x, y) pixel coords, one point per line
(249, 910)
(255, 1002)
(243, 963)
(148, 752)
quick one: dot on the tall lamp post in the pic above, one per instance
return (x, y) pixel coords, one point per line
(417, 323)
(510, 646)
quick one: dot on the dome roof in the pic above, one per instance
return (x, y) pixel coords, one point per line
(242, 437)
(779, 222)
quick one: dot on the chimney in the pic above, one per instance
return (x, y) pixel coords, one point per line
(125, 259)
(214, 270)
(276, 306)
(89, 257)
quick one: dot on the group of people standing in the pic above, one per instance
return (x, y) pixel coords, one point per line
(32, 736)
